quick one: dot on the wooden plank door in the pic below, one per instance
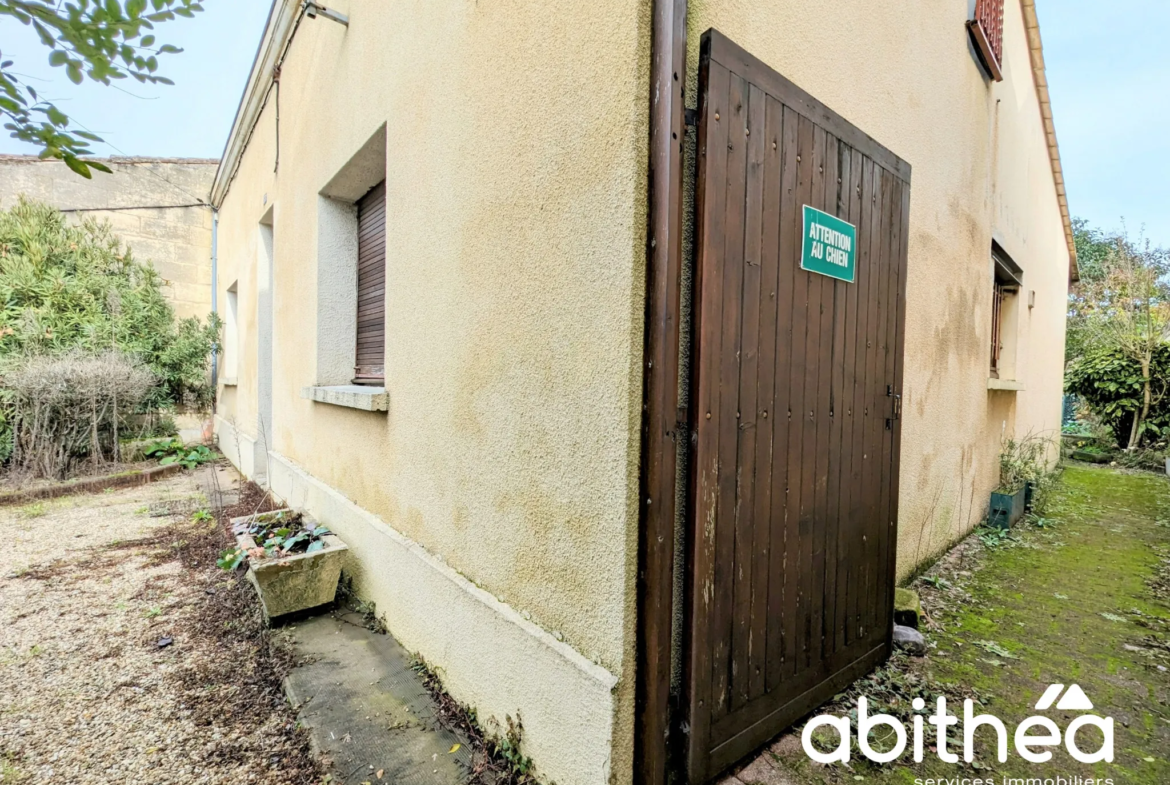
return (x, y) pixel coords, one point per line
(794, 471)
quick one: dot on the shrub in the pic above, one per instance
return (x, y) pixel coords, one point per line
(1143, 458)
(65, 409)
(75, 288)
(1027, 460)
(1111, 385)
(66, 287)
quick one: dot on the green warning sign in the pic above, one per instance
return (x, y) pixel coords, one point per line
(830, 245)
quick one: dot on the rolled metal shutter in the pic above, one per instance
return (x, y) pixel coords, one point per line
(371, 288)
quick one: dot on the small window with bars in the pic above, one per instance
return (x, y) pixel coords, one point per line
(370, 364)
(987, 34)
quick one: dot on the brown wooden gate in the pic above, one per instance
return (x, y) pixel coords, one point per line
(797, 380)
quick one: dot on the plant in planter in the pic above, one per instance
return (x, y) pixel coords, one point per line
(293, 562)
(1024, 480)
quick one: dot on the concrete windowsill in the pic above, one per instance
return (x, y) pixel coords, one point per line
(1004, 384)
(354, 396)
(229, 381)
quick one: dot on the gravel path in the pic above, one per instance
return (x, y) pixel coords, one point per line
(126, 656)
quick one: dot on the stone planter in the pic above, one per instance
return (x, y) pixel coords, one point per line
(1006, 508)
(1091, 457)
(297, 582)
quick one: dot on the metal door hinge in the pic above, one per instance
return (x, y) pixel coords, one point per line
(897, 401)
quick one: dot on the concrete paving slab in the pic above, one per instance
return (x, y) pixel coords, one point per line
(367, 710)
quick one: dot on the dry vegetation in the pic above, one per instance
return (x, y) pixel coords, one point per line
(137, 659)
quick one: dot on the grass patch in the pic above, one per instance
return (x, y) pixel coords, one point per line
(1077, 596)
(35, 510)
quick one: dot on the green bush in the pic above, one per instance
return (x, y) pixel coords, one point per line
(1111, 385)
(77, 288)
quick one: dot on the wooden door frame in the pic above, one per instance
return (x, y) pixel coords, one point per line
(661, 419)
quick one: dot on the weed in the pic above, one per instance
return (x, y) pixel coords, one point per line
(203, 516)
(32, 510)
(496, 758)
(153, 612)
(993, 537)
(936, 582)
(9, 772)
(1039, 522)
(174, 451)
(508, 748)
(347, 598)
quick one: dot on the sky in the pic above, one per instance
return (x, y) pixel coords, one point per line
(1108, 68)
(189, 120)
(1108, 72)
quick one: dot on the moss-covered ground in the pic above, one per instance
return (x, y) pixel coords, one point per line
(1078, 596)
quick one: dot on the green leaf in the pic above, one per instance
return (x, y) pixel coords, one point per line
(231, 559)
(315, 546)
(293, 540)
(46, 36)
(78, 166)
(56, 116)
(167, 461)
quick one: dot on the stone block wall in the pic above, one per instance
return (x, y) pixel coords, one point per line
(159, 206)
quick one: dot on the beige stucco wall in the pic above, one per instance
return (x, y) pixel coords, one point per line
(516, 171)
(904, 72)
(144, 200)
